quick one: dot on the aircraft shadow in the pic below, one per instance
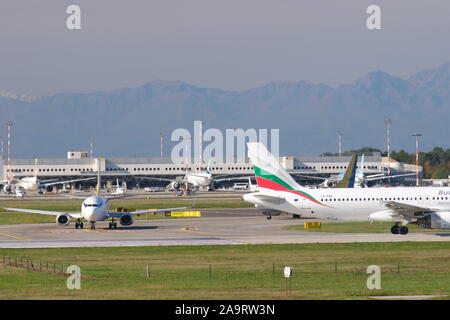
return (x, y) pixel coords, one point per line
(137, 228)
(447, 234)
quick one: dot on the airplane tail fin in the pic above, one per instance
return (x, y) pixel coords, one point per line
(348, 181)
(268, 171)
(361, 169)
(35, 168)
(208, 168)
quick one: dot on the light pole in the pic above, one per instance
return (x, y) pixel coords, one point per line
(340, 142)
(9, 124)
(417, 135)
(389, 123)
(161, 135)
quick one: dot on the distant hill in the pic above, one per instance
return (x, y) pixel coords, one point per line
(127, 121)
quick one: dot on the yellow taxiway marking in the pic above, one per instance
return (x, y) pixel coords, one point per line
(187, 229)
(14, 237)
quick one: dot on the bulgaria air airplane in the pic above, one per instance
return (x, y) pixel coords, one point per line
(428, 207)
(93, 209)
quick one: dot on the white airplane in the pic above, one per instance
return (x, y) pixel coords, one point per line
(203, 178)
(93, 209)
(361, 178)
(34, 184)
(120, 189)
(19, 186)
(428, 207)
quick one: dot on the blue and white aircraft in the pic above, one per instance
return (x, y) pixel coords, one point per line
(93, 209)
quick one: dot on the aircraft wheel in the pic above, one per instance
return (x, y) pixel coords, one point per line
(81, 225)
(404, 230)
(115, 225)
(110, 225)
(76, 225)
(269, 217)
(395, 229)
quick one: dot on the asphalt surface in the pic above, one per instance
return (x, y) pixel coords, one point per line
(218, 227)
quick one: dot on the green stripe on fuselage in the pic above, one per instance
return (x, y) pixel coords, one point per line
(269, 176)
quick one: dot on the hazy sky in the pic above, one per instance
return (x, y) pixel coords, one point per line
(228, 44)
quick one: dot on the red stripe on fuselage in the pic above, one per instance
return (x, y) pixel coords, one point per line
(269, 184)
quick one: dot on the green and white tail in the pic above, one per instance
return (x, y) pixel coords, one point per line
(268, 171)
(271, 175)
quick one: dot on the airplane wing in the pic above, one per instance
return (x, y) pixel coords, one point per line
(119, 214)
(120, 197)
(372, 178)
(46, 184)
(159, 179)
(52, 213)
(309, 177)
(72, 196)
(407, 211)
(232, 178)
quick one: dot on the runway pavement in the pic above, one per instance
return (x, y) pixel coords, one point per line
(220, 227)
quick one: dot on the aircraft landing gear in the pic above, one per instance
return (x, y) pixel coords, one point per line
(79, 224)
(92, 225)
(112, 225)
(269, 216)
(404, 230)
(396, 229)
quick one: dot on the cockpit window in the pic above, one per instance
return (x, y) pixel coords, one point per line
(90, 205)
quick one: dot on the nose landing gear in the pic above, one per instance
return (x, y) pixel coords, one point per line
(92, 225)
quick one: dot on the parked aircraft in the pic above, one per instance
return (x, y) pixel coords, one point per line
(360, 178)
(20, 186)
(120, 189)
(191, 180)
(428, 207)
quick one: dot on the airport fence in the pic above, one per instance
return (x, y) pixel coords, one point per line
(35, 265)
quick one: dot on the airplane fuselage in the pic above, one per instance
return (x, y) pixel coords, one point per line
(354, 204)
(95, 208)
(199, 179)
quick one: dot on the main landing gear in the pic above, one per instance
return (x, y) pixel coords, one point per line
(112, 225)
(92, 225)
(79, 224)
(397, 229)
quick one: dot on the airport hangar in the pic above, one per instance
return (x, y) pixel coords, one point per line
(78, 164)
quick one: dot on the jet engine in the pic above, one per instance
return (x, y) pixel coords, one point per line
(8, 188)
(438, 220)
(383, 216)
(328, 184)
(126, 220)
(63, 219)
(175, 185)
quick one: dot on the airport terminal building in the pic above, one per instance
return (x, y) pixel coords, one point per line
(78, 164)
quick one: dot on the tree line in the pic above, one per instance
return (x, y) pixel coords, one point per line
(435, 163)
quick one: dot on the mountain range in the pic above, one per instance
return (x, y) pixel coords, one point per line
(127, 122)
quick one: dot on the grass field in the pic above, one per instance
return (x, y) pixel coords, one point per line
(69, 205)
(358, 227)
(320, 271)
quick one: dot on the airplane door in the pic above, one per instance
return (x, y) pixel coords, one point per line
(306, 204)
(424, 200)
